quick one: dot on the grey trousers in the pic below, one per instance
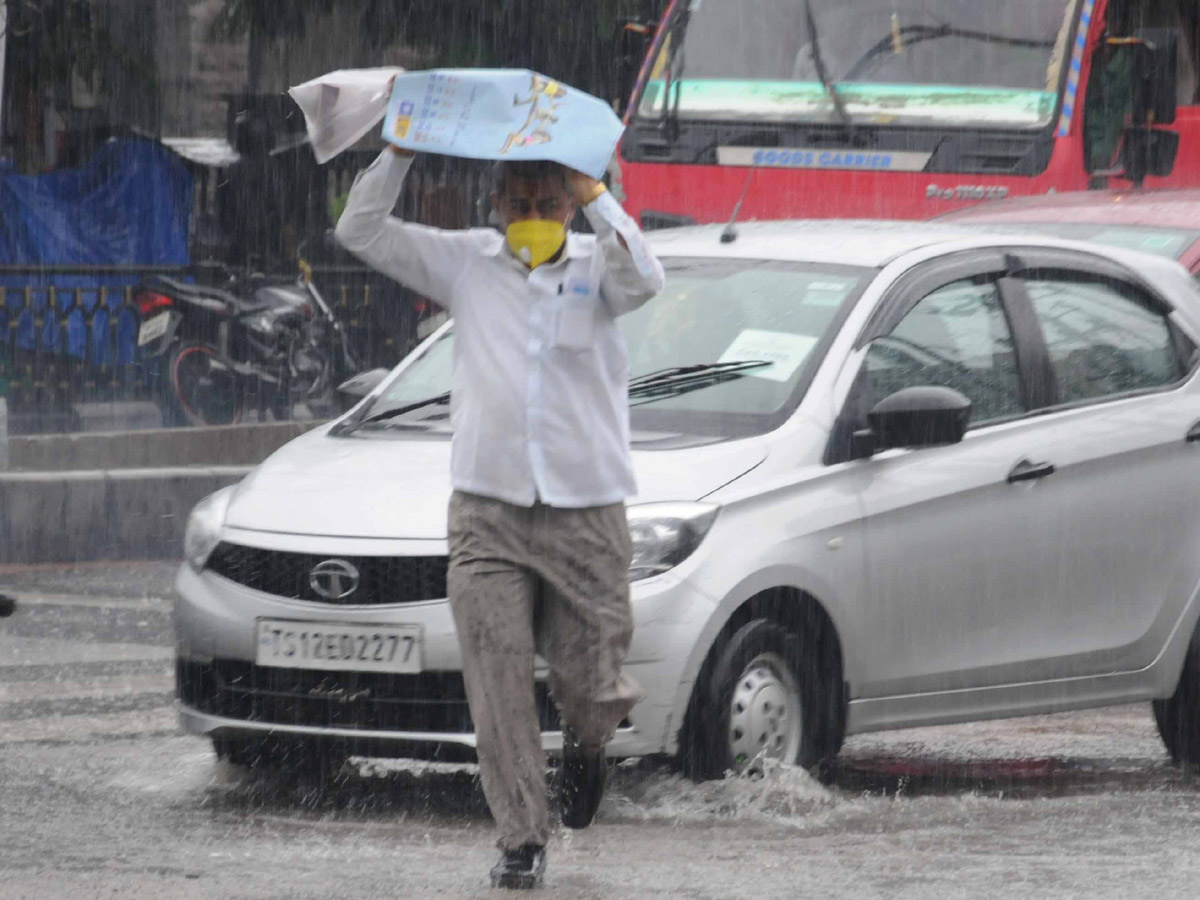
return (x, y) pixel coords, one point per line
(546, 580)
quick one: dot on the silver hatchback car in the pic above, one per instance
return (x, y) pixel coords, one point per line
(890, 475)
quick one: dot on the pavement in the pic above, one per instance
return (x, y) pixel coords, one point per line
(121, 495)
(103, 796)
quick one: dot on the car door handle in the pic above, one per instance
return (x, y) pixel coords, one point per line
(1193, 434)
(1030, 471)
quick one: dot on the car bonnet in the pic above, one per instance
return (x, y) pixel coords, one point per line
(399, 489)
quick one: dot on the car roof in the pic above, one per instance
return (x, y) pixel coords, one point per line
(850, 242)
(1161, 209)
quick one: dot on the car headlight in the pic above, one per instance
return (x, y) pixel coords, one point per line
(204, 528)
(665, 534)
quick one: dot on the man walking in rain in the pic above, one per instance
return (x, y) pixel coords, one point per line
(539, 543)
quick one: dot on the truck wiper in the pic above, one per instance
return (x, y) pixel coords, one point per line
(916, 34)
(674, 74)
(823, 73)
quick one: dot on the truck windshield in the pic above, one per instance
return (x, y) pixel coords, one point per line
(934, 62)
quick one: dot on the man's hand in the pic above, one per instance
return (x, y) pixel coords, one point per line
(584, 188)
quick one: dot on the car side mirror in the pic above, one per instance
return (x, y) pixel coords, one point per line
(917, 417)
(363, 383)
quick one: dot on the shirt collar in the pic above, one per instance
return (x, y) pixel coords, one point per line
(497, 246)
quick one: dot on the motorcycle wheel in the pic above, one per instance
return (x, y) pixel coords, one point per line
(202, 390)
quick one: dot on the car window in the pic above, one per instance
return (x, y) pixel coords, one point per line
(1103, 339)
(956, 337)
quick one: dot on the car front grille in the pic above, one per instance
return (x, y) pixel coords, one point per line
(433, 702)
(382, 579)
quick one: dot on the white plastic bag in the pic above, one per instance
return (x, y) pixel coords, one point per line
(341, 107)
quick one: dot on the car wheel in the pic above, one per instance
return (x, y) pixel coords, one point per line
(766, 698)
(1178, 717)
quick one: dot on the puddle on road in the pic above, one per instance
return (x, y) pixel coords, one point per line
(387, 791)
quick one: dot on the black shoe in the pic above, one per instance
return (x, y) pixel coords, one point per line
(583, 775)
(520, 869)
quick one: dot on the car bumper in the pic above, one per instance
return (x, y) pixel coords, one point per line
(215, 626)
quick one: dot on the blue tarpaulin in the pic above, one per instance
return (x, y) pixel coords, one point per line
(129, 206)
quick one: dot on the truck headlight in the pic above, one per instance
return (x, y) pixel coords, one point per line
(665, 534)
(204, 527)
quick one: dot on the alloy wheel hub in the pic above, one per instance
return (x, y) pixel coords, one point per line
(764, 719)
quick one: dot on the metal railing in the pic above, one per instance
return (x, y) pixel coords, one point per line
(63, 345)
(68, 334)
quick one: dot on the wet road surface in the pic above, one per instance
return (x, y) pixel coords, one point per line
(101, 796)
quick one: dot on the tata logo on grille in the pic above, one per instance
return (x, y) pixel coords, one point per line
(334, 579)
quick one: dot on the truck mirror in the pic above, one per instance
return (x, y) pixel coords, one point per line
(1148, 151)
(1155, 76)
(630, 38)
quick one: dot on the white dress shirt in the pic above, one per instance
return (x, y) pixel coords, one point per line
(540, 402)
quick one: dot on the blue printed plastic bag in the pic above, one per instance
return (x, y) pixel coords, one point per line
(501, 114)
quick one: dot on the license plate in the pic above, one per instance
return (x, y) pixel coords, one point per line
(337, 646)
(153, 329)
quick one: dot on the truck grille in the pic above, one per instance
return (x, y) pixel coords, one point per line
(382, 579)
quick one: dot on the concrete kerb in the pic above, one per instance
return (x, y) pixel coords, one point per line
(237, 445)
(82, 516)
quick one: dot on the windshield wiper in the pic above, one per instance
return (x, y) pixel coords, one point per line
(916, 34)
(823, 73)
(674, 74)
(677, 378)
(676, 372)
(350, 425)
(439, 400)
(684, 379)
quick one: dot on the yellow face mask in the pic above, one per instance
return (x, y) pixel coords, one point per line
(534, 241)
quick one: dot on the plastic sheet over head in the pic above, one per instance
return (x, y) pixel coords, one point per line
(342, 107)
(499, 114)
(502, 114)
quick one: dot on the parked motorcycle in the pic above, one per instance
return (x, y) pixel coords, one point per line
(256, 343)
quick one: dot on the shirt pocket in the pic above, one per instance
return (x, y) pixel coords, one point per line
(575, 324)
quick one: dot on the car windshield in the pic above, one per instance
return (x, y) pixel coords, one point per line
(712, 311)
(1169, 242)
(949, 62)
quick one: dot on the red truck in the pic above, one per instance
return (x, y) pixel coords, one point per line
(907, 108)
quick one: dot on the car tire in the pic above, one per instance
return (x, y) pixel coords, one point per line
(766, 697)
(1178, 717)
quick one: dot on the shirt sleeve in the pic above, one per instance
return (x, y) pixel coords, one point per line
(631, 273)
(428, 260)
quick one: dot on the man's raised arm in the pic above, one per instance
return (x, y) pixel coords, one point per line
(425, 259)
(632, 274)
